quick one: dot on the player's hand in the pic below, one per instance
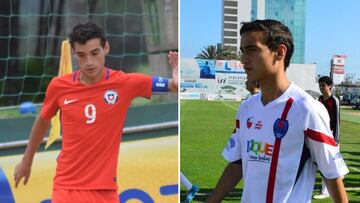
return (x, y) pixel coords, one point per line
(22, 170)
(173, 61)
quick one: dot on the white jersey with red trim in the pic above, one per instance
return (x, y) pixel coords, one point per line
(281, 145)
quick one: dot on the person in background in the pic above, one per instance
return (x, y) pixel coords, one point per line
(332, 106)
(252, 87)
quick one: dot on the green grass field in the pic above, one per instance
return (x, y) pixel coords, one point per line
(206, 127)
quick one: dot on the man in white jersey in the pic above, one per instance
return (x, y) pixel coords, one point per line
(282, 134)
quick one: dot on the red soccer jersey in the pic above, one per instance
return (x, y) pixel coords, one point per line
(92, 119)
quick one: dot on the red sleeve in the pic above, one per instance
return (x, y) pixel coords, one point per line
(139, 85)
(50, 104)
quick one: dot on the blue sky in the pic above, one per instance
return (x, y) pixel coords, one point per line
(331, 28)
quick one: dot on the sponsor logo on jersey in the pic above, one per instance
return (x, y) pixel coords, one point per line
(111, 96)
(231, 143)
(69, 101)
(259, 151)
(258, 125)
(249, 122)
(280, 128)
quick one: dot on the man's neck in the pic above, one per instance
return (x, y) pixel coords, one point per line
(91, 80)
(327, 95)
(273, 88)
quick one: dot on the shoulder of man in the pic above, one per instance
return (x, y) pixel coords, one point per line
(304, 101)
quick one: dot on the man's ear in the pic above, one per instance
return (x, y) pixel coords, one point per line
(107, 47)
(281, 52)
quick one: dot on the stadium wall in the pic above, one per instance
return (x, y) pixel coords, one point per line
(225, 80)
(304, 76)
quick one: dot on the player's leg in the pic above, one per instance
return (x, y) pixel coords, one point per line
(185, 181)
(324, 192)
(192, 189)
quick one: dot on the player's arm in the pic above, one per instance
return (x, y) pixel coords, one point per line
(325, 152)
(230, 177)
(336, 189)
(173, 61)
(23, 169)
(336, 118)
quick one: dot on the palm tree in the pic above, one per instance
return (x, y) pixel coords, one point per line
(209, 52)
(212, 52)
(228, 55)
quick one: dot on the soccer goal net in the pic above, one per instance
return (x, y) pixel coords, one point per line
(140, 33)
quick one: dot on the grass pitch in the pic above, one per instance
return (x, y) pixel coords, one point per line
(205, 128)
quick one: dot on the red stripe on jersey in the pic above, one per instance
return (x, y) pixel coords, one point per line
(287, 108)
(272, 175)
(320, 137)
(275, 157)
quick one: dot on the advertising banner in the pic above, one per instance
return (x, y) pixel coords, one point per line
(230, 86)
(212, 80)
(223, 66)
(338, 69)
(339, 60)
(147, 171)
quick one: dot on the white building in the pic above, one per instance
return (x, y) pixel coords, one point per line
(291, 13)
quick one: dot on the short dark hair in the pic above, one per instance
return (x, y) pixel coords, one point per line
(275, 33)
(326, 79)
(81, 33)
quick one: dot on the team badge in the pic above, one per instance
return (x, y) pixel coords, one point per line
(111, 97)
(249, 122)
(280, 128)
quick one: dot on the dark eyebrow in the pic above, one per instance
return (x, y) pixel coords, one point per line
(92, 51)
(95, 50)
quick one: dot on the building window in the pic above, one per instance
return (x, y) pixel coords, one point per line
(230, 33)
(230, 18)
(231, 3)
(230, 11)
(230, 41)
(230, 26)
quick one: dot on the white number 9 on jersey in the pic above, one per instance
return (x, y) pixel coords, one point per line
(90, 113)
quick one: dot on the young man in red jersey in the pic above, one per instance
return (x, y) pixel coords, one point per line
(93, 102)
(282, 134)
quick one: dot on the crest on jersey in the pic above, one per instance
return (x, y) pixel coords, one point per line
(111, 96)
(249, 122)
(280, 128)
